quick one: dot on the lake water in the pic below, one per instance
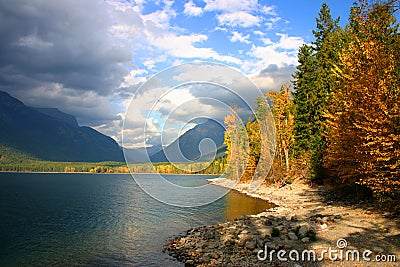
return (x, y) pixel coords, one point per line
(98, 219)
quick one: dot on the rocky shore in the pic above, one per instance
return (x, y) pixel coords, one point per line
(306, 222)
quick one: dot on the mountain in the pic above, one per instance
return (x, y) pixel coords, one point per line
(141, 154)
(57, 114)
(186, 147)
(50, 134)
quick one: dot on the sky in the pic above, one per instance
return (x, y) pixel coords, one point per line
(89, 58)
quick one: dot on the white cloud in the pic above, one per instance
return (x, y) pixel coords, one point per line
(289, 42)
(222, 29)
(280, 53)
(238, 18)
(267, 41)
(268, 10)
(192, 10)
(150, 63)
(238, 37)
(268, 55)
(134, 77)
(161, 17)
(272, 77)
(263, 81)
(230, 5)
(183, 46)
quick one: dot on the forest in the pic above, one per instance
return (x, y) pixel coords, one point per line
(13, 160)
(339, 119)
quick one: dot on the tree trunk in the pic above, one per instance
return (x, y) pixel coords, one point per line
(287, 159)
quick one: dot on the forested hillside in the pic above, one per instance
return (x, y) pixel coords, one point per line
(340, 119)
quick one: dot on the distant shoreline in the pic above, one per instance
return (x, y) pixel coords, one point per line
(31, 172)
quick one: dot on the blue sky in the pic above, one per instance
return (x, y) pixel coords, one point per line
(229, 31)
(88, 58)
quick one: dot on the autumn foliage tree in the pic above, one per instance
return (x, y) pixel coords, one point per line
(236, 142)
(250, 147)
(282, 110)
(363, 119)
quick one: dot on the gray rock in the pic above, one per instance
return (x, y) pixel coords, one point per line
(305, 240)
(303, 230)
(260, 242)
(292, 236)
(250, 245)
(272, 245)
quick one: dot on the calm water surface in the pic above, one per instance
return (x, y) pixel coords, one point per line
(98, 219)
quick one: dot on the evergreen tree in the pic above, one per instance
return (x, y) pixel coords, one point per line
(313, 84)
(303, 84)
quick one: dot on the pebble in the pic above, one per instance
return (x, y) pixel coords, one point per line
(292, 236)
(303, 230)
(305, 240)
(250, 245)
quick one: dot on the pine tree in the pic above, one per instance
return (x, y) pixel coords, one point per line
(313, 85)
(303, 84)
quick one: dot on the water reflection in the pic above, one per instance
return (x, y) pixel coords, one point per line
(235, 207)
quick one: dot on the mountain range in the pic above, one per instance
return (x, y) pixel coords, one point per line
(50, 134)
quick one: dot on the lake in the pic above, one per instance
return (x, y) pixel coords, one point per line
(99, 219)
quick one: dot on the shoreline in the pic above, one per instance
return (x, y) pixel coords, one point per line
(107, 173)
(305, 218)
(30, 172)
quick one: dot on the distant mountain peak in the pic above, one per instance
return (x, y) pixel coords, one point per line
(186, 147)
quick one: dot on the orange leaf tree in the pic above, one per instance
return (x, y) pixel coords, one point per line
(363, 119)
